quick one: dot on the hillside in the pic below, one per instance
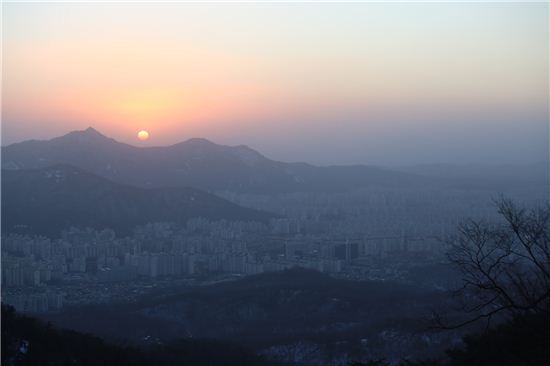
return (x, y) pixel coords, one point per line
(46, 201)
(285, 315)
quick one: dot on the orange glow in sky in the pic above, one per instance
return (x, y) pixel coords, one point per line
(247, 73)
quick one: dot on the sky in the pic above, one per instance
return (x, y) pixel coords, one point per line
(326, 83)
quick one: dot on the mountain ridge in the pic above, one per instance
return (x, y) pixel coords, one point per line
(195, 162)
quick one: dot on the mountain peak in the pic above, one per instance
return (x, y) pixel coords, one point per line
(92, 131)
(88, 135)
(199, 141)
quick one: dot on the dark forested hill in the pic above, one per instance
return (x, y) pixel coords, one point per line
(286, 315)
(45, 201)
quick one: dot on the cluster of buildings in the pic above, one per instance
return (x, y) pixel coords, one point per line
(31, 265)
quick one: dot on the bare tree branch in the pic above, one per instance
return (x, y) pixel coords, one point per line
(505, 266)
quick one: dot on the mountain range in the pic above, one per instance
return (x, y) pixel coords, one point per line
(48, 200)
(195, 163)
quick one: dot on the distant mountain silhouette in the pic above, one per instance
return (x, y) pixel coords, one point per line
(45, 201)
(196, 162)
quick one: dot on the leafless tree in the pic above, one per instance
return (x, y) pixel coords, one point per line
(505, 266)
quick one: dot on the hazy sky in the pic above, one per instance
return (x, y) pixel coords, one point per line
(379, 83)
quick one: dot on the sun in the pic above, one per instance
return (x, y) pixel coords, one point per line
(143, 135)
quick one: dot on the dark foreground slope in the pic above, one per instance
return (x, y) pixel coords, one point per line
(525, 340)
(27, 341)
(45, 201)
(522, 341)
